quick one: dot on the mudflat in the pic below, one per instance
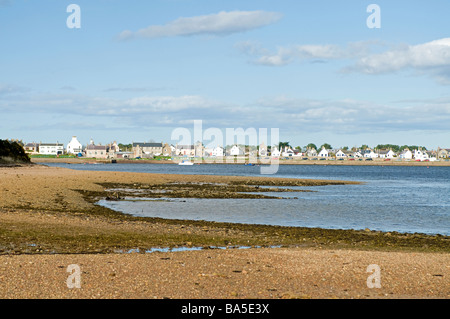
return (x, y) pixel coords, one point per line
(49, 220)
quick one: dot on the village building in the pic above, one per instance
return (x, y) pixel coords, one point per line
(31, 148)
(297, 153)
(386, 154)
(443, 153)
(406, 154)
(311, 152)
(275, 152)
(147, 150)
(51, 149)
(421, 155)
(96, 151)
(124, 155)
(199, 150)
(341, 154)
(112, 149)
(217, 151)
(323, 152)
(369, 153)
(235, 151)
(262, 149)
(166, 150)
(185, 150)
(287, 152)
(357, 154)
(74, 146)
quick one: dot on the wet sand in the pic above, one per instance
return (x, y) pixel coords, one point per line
(48, 221)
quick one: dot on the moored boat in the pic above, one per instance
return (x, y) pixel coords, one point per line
(185, 163)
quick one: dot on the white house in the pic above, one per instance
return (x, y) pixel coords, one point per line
(370, 154)
(390, 154)
(323, 152)
(236, 150)
(74, 146)
(262, 149)
(341, 154)
(275, 152)
(287, 152)
(406, 154)
(51, 148)
(357, 154)
(217, 151)
(421, 155)
(386, 154)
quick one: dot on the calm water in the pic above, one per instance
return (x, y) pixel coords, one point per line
(404, 199)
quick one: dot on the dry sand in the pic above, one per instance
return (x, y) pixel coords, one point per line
(27, 194)
(235, 273)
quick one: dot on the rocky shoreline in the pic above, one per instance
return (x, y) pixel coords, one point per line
(50, 213)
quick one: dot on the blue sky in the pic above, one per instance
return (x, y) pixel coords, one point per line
(136, 70)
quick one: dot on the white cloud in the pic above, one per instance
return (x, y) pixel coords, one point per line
(430, 55)
(286, 55)
(222, 23)
(349, 115)
(343, 116)
(306, 52)
(430, 58)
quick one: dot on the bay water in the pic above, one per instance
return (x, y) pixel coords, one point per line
(405, 199)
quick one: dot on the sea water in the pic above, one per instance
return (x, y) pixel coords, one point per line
(406, 199)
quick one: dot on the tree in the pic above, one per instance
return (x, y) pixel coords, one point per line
(125, 147)
(282, 145)
(326, 146)
(311, 145)
(393, 147)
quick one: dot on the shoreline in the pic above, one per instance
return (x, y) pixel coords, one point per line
(376, 162)
(48, 220)
(73, 194)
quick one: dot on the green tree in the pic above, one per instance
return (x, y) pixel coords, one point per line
(282, 145)
(311, 145)
(326, 146)
(125, 147)
(393, 147)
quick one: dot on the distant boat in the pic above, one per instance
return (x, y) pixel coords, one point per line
(249, 164)
(185, 163)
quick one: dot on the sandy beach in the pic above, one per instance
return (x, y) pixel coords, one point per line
(269, 273)
(48, 221)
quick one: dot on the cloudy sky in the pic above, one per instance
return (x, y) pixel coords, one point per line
(137, 70)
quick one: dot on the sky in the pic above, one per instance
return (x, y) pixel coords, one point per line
(346, 73)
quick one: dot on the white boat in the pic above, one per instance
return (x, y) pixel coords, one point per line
(185, 163)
